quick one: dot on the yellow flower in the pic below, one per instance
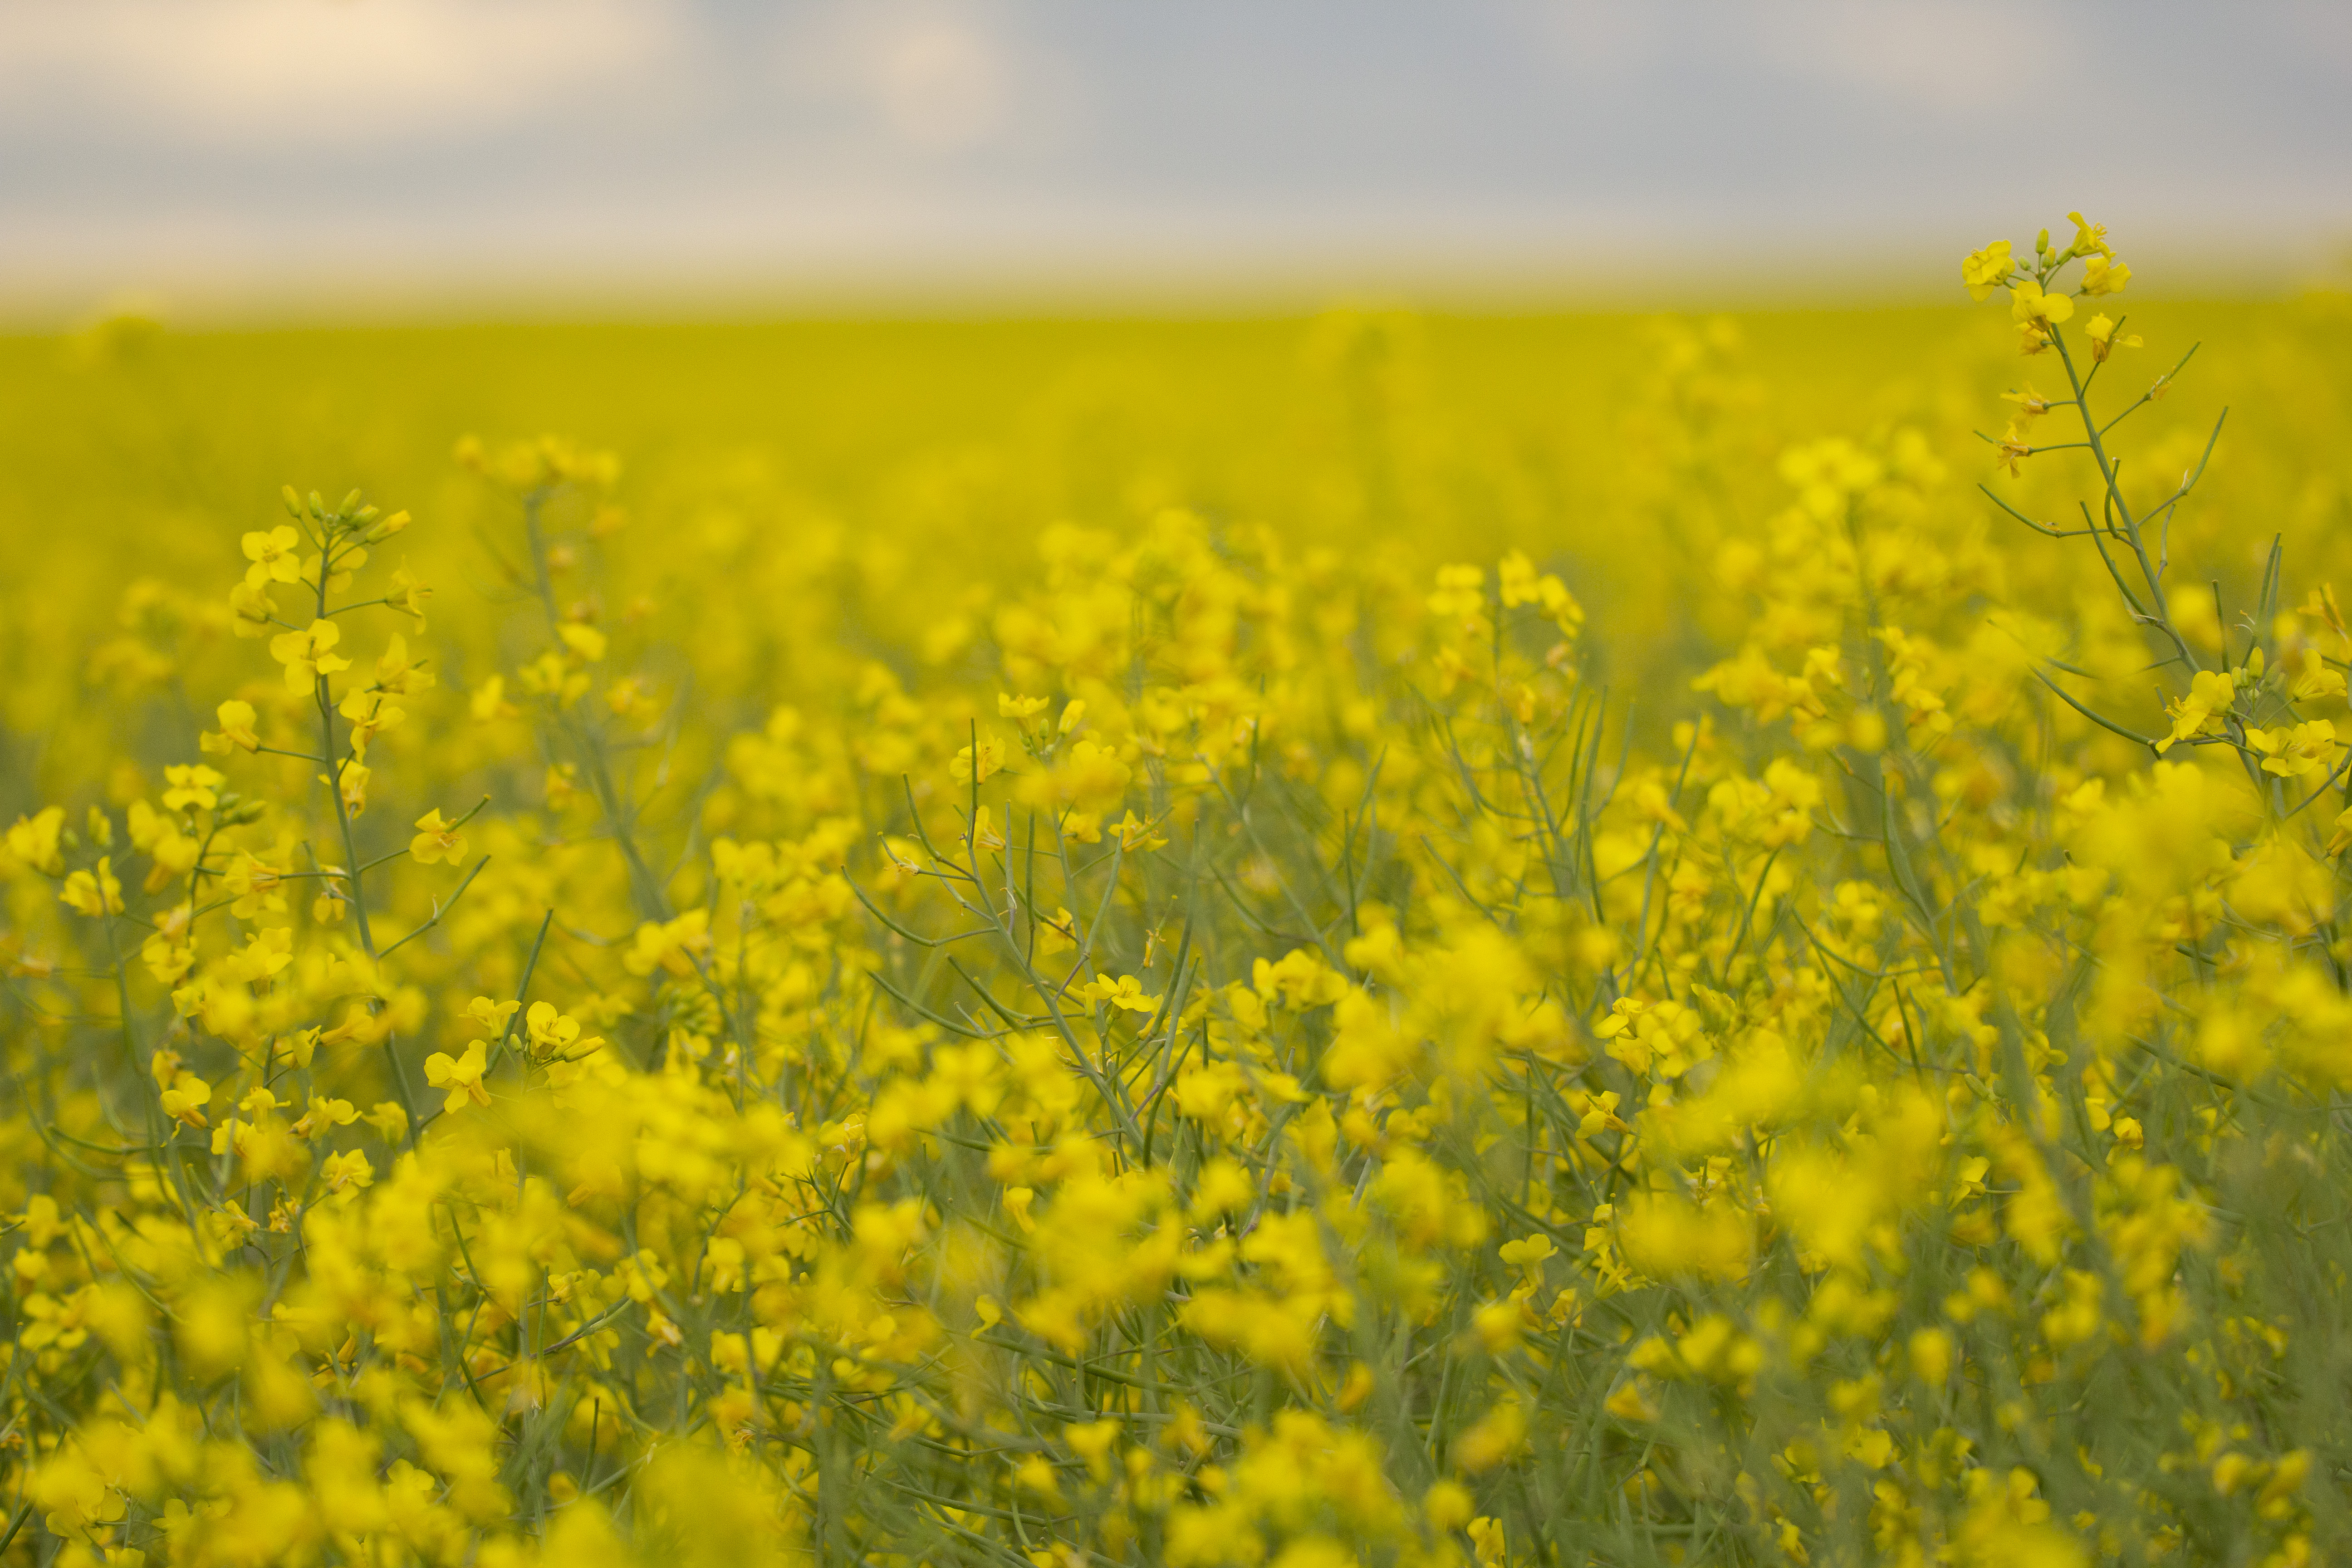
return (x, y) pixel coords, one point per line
(351, 783)
(191, 785)
(2213, 692)
(1624, 1014)
(1033, 1474)
(1448, 1505)
(255, 883)
(679, 947)
(251, 610)
(461, 1075)
(2295, 751)
(1057, 932)
(2102, 276)
(1931, 1355)
(33, 840)
(171, 852)
(369, 714)
(1020, 708)
(974, 763)
(167, 961)
(2029, 306)
(308, 655)
(583, 643)
(324, 1114)
(347, 1172)
(2031, 405)
(1492, 1438)
(1987, 269)
(1528, 1255)
(2100, 331)
(489, 701)
(1135, 833)
(2013, 448)
(490, 1017)
(235, 728)
(437, 839)
(94, 893)
(1666, 1237)
(2090, 239)
(276, 556)
(407, 593)
(396, 674)
(555, 1036)
(1125, 991)
(184, 1101)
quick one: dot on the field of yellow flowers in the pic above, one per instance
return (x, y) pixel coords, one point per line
(1382, 939)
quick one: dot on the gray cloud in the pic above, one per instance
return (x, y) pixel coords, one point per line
(254, 147)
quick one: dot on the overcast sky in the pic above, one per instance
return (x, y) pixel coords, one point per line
(291, 150)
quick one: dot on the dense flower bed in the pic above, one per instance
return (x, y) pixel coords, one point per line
(714, 1033)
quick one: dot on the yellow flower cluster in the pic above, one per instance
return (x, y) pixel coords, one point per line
(1192, 1041)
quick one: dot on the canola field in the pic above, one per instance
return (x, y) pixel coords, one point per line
(1366, 939)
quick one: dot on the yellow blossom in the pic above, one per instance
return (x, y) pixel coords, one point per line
(276, 555)
(308, 655)
(461, 1075)
(237, 721)
(2100, 331)
(93, 892)
(1987, 269)
(2296, 751)
(436, 839)
(1126, 992)
(975, 762)
(2211, 694)
(191, 788)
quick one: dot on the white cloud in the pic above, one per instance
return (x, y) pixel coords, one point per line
(941, 83)
(245, 142)
(1949, 56)
(335, 72)
(933, 77)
